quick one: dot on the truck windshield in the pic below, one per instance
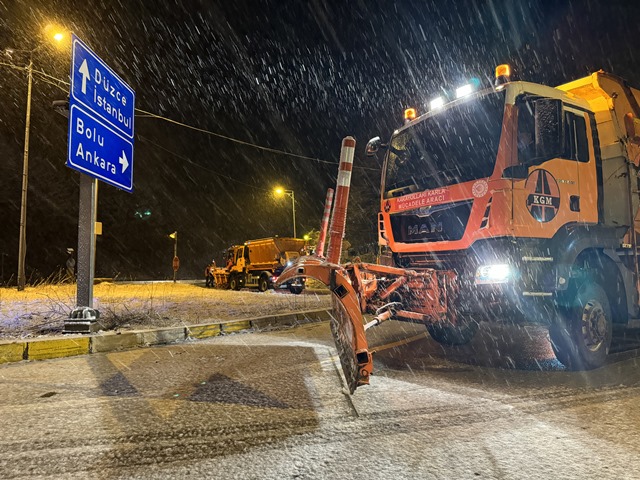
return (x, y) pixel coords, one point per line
(454, 146)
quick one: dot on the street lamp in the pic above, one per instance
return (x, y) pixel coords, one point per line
(280, 192)
(58, 36)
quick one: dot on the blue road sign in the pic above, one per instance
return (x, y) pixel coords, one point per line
(99, 150)
(101, 119)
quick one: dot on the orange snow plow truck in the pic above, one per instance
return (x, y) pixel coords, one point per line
(257, 264)
(513, 203)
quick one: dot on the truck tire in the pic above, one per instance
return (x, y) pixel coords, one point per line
(234, 283)
(263, 283)
(446, 333)
(581, 335)
(296, 289)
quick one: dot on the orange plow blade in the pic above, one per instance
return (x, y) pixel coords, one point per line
(347, 322)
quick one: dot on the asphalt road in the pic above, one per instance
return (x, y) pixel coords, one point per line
(272, 405)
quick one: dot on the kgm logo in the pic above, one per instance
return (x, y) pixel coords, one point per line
(543, 200)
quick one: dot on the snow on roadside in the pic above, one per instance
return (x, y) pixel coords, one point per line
(42, 310)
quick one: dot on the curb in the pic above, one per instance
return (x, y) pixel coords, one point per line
(67, 346)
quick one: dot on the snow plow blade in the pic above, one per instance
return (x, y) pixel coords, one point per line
(347, 323)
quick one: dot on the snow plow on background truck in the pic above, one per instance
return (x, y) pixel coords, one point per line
(514, 203)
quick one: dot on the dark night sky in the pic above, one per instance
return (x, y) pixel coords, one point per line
(294, 76)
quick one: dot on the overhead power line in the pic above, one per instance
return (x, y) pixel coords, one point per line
(235, 140)
(195, 164)
(47, 79)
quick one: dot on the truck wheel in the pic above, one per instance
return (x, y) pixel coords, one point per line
(234, 283)
(581, 336)
(263, 283)
(296, 289)
(446, 333)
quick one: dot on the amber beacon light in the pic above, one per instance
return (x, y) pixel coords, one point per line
(503, 74)
(410, 114)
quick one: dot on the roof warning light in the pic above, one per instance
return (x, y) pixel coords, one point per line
(410, 114)
(503, 75)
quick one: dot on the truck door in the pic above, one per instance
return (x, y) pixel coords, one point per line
(240, 258)
(549, 195)
(578, 131)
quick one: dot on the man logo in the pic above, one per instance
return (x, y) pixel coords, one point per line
(424, 228)
(543, 200)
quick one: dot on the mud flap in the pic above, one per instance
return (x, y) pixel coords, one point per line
(347, 325)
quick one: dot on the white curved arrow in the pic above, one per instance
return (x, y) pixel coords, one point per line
(123, 161)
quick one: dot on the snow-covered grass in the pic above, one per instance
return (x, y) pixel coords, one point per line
(42, 310)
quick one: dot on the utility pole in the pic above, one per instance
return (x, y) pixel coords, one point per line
(22, 246)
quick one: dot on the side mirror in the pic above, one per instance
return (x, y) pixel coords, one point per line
(632, 126)
(549, 128)
(373, 146)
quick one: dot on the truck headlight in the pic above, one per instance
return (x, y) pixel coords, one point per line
(490, 274)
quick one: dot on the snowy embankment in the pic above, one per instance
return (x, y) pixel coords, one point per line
(42, 310)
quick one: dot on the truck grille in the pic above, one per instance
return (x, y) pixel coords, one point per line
(435, 224)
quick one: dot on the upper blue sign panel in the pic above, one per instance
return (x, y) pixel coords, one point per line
(100, 91)
(100, 121)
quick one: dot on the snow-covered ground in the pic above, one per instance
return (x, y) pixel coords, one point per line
(42, 310)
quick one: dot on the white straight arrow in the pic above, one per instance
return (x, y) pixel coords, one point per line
(123, 161)
(84, 70)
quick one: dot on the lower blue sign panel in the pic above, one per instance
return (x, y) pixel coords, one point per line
(99, 151)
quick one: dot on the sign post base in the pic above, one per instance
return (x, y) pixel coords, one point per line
(82, 320)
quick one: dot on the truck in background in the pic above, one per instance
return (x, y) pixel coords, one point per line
(258, 263)
(514, 203)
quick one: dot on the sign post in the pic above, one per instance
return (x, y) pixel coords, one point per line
(101, 117)
(176, 260)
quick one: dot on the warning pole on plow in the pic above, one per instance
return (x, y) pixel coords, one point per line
(325, 223)
(343, 184)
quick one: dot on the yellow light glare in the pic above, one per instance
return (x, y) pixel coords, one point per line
(279, 191)
(54, 33)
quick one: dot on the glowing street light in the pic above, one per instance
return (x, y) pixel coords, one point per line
(57, 35)
(280, 192)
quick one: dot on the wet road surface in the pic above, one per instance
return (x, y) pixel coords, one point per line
(272, 405)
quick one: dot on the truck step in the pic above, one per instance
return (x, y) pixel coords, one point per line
(537, 259)
(633, 324)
